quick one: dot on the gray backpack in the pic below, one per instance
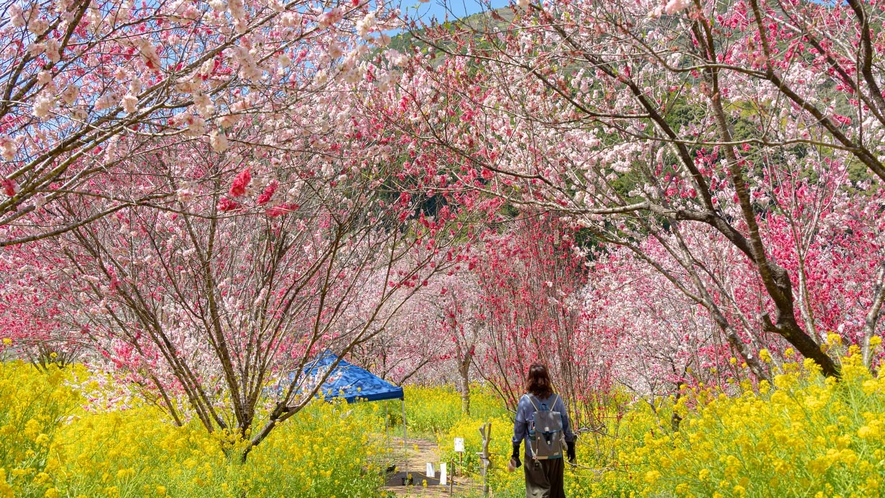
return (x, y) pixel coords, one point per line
(545, 430)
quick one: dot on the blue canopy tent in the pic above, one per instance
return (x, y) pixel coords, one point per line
(351, 383)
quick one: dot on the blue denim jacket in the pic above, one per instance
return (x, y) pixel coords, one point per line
(525, 412)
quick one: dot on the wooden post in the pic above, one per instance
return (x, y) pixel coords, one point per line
(486, 432)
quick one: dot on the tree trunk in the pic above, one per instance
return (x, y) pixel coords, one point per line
(464, 380)
(775, 279)
(873, 314)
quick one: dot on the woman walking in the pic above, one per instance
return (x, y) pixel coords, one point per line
(542, 421)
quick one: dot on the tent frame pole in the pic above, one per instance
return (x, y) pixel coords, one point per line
(405, 451)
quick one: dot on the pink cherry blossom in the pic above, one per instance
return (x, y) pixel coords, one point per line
(242, 180)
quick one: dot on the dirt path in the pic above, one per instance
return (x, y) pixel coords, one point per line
(418, 453)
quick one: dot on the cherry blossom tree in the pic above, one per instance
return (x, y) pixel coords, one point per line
(531, 277)
(409, 348)
(640, 120)
(831, 241)
(87, 85)
(462, 311)
(298, 238)
(206, 312)
(29, 305)
(435, 337)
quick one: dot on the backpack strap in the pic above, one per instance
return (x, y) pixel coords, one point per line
(528, 440)
(553, 404)
(532, 399)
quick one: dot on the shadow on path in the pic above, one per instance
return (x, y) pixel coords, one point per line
(418, 453)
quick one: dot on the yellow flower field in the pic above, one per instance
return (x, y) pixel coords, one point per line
(806, 436)
(52, 447)
(803, 436)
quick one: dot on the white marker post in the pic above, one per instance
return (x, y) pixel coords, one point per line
(459, 449)
(430, 472)
(459, 445)
(443, 475)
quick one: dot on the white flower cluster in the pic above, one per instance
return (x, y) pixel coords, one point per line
(366, 25)
(181, 10)
(218, 141)
(107, 101)
(331, 17)
(53, 50)
(130, 103)
(238, 12)
(8, 148)
(291, 20)
(196, 126)
(674, 6)
(249, 69)
(70, 93)
(203, 104)
(38, 26)
(43, 105)
(16, 15)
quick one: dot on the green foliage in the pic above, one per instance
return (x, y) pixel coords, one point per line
(683, 114)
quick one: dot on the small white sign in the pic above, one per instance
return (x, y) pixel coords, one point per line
(430, 472)
(459, 445)
(443, 475)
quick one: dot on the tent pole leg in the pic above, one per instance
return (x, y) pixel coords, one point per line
(405, 452)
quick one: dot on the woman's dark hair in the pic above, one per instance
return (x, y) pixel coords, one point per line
(538, 381)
